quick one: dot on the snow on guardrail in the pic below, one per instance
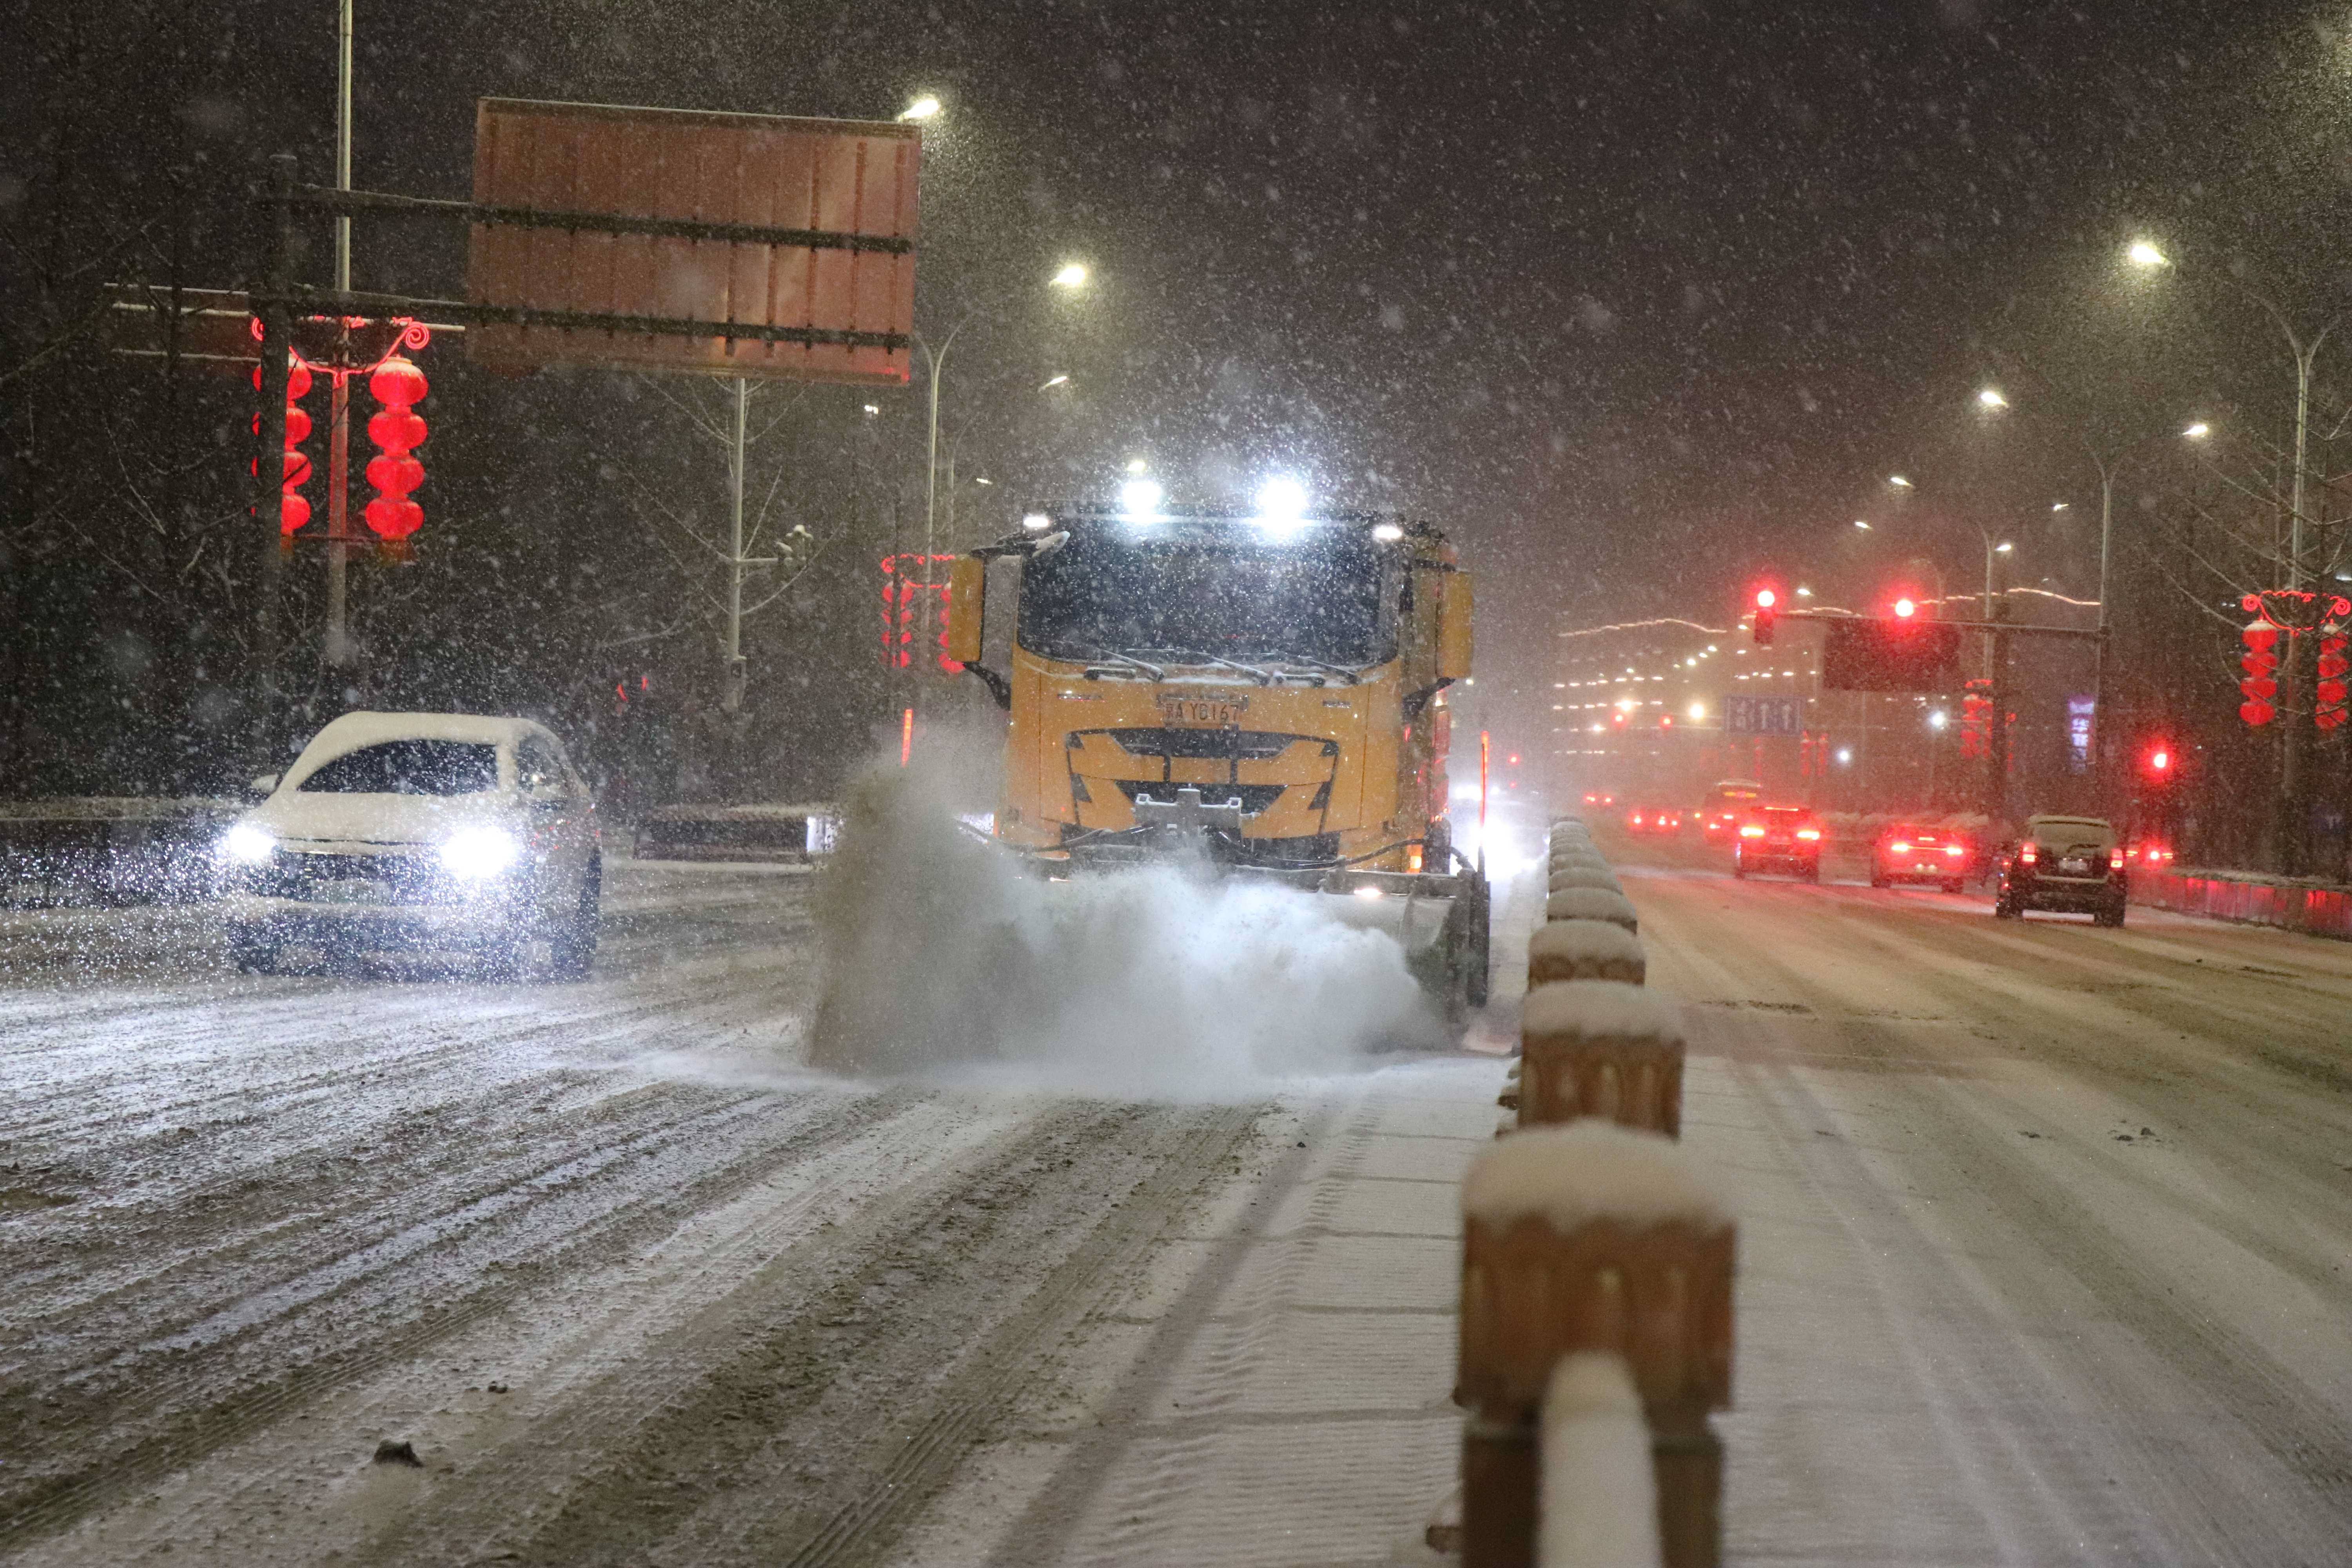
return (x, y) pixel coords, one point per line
(1591, 904)
(1601, 1049)
(1591, 1237)
(1596, 1274)
(1585, 950)
(1597, 1503)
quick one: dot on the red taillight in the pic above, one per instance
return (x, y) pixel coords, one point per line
(1751, 831)
(1898, 847)
(2027, 853)
(1955, 850)
(2115, 859)
(1809, 834)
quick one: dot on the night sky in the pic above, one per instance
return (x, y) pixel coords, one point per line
(1636, 299)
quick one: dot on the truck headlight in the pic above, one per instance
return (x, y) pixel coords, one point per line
(474, 854)
(245, 845)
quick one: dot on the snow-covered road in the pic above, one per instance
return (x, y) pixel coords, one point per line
(2046, 1257)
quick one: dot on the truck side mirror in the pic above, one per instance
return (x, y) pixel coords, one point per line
(1454, 627)
(967, 604)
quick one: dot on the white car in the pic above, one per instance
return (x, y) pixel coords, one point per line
(414, 832)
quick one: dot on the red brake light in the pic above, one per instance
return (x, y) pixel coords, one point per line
(1898, 847)
(2026, 852)
(2115, 859)
(1751, 831)
(1809, 834)
(1955, 850)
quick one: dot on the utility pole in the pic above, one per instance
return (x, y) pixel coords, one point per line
(269, 454)
(338, 646)
(731, 690)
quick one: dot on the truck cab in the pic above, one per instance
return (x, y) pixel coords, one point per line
(1269, 695)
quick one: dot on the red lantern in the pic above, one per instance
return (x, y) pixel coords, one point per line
(397, 385)
(293, 506)
(2333, 666)
(2260, 663)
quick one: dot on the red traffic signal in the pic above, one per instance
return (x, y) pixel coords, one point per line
(2158, 762)
(1768, 615)
(1906, 607)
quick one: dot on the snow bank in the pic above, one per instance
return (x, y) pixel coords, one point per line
(1584, 943)
(1591, 904)
(1587, 1170)
(944, 958)
(1598, 1500)
(1597, 1010)
(1564, 878)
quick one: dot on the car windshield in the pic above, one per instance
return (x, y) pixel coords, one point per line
(1214, 594)
(410, 767)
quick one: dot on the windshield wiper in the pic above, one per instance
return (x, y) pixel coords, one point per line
(1263, 677)
(1345, 674)
(1129, 660)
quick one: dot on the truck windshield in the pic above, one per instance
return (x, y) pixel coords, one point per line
(1114, 592)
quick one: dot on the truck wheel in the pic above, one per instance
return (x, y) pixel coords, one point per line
(574, 941)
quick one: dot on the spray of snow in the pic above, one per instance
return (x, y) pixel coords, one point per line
(947, 960)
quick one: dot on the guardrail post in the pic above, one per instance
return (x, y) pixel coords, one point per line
(1600, 1238)
(1601, 1049)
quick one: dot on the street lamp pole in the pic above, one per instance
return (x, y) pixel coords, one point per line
(2290, 845)
(338, 644)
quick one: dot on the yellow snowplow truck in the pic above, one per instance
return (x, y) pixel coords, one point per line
(1264, 697)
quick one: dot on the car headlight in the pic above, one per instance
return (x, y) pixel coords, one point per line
(477, 853)
(245, 845)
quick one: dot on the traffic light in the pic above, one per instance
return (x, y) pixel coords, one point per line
(2333, 665)
(1768, 615)
(2157, 764)
(2259, 688)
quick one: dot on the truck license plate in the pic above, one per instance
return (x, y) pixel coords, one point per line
(1209, 712)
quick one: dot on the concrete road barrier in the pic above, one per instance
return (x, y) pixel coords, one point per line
(1601, 1049)
(1592, 904)
(1592, 1238)
(1585, 950)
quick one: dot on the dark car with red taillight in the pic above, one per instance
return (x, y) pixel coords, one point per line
(1786, 838)
(1913, 854)
(2068, 865)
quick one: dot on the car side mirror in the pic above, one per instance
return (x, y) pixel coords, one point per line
(263, 786)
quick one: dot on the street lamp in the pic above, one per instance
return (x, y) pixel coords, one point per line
(922, 109)
(2198, 431)
(1058, 381)
(2303, 351)
(1073, 275)
(1898, 481)
(1990, 397)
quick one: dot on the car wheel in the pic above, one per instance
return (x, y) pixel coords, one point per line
(574, 942)
(2005, 909)
(252, 949)
(1739, 871)
(1878, 881)
(1813, 872)
(1955, 886)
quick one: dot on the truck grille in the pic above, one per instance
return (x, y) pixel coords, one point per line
(1245, 744)
(1254, 798)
